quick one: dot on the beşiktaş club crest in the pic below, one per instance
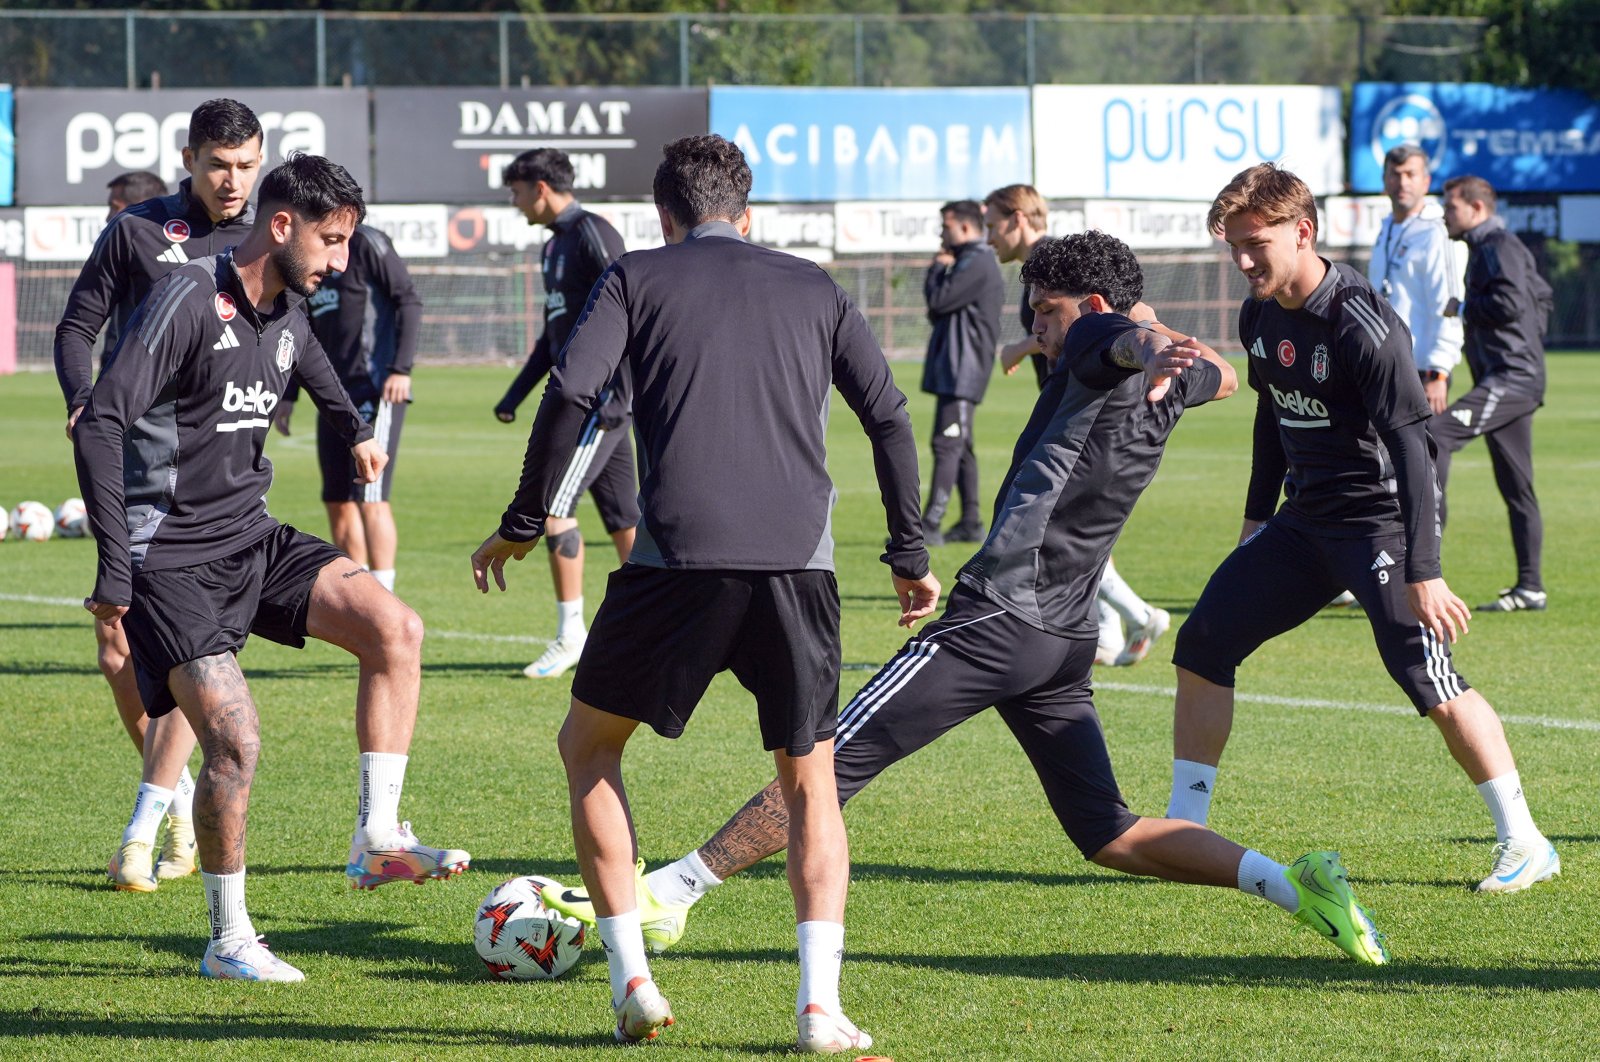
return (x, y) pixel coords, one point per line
(285, 350)
(176, 230)
(1319, 363)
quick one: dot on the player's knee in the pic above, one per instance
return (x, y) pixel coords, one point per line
(404, 634)
(1199, 651)
(232, 746)
(113, 660)
(568, 543)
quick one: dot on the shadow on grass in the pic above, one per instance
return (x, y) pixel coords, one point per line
(43, 626)
(38, 668)
(282, 1026)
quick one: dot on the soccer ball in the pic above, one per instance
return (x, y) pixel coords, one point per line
(72, 519)
(518, 939)
(32, 521)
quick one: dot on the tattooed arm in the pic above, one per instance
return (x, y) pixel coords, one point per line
(760, 829)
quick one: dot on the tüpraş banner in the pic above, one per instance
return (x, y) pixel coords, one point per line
(1181, 141)
(79, 139)
(822, 144)
(449, 145)
(1517, 139)
(8, 148)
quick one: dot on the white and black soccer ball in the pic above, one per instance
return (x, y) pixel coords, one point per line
(32, 521)
(519, 939)
(72, 519)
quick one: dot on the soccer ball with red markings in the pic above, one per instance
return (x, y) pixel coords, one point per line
(32, 521)
(518, 939)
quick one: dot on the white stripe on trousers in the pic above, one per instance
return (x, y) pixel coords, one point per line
(373, 492)
(1446, 683)
(891, 679)
(565, 503)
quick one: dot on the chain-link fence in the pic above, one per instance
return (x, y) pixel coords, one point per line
(141, 49)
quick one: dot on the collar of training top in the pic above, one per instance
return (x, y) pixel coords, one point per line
(1320, 300)
(1492, 223)
(714, 228)
(569, 215)
(231, 282)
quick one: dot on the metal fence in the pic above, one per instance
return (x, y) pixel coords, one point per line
(141, 49)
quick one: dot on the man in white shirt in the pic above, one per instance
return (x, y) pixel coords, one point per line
(1414, 266)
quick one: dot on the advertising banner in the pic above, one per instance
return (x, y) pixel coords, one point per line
(61, 234)
(1161, 141)
(1517, 139)
(449, 145)
(821, 144)
(416, 231)
(8, 149)
(886, 228)
(13, 233)
(78, 139)
(1151, 224)
(804, 229)
(1580, 218)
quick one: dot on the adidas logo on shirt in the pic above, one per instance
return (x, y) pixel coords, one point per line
(1383, 561)
(1258, 349)
(173, 254)
(228, 340)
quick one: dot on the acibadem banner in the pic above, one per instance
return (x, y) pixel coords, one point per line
(76, 140)
(449, 145)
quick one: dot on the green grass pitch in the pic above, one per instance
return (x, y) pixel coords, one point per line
(975, 930)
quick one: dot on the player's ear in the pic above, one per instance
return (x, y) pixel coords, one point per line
(281, 226)
(1305, 233)
(1097, 303)
(188, 160)
(742, 222)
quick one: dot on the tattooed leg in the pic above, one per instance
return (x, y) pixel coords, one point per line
(213, 696)
(760, 829)
(361, 617)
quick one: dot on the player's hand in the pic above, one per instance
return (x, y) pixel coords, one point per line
(492, 557)
(1438, 392)
(1141, 312)
(1250, 528)
(110, 615)
(1452, 308)
(370, 461)
(1163, 366)
(1012, 355)
(72, 420)
(918, 598)
(281, 415)
(1440, 610)
(397, 388)
(944, 258)
(505, 416)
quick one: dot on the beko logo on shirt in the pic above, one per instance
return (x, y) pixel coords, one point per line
(1301, 406)
(252, 399)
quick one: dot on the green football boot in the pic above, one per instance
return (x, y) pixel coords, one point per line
(663, 924)
(1328, 906)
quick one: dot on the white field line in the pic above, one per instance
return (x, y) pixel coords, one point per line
(1165, 692)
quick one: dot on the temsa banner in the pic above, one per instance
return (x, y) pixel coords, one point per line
(75, 140)
(449, 145)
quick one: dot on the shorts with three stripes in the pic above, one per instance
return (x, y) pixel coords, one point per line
(339, 468)
(973, 657)
(1282, 576)
(662, 634)
(602, 464)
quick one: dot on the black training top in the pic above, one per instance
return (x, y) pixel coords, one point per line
(733, 348)
(581, 247)
(1090, 448)
(965, 301)
(1337, 382)
(169, 448)
(138, 247)
(1506, 309)
(367, 317)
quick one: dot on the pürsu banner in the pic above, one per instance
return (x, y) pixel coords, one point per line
(75, 140)
(449, 145)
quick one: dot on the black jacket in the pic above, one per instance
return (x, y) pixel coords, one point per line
(734, 350)
(137, 248)
(965, 301)
(1507, 308)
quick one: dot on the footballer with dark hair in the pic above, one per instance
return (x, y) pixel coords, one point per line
(170, 461)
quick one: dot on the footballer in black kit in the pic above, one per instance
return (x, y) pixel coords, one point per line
(1019, 633)
(1341, 431)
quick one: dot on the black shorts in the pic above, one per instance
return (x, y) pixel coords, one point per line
(1282, 576)
(183, 614)
(661, 635)
(602, 464)
(339, 468)
(975, 656)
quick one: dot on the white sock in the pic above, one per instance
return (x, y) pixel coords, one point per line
(624, 944)
(230, 922)
(1260, 876)
(1111, 640)
(1193, 785)
(681, 884)
(569, 619)
(383, 775)
(183, 796)
(1115, 591)
(1512, 819)
(385, 577)
(149, 805)
(821, 955)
